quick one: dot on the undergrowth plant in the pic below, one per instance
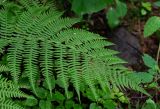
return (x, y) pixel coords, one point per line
(51, 60)
(115, 9)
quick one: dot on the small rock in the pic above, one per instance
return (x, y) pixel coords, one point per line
(128, 46)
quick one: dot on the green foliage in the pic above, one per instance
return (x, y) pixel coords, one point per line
(151, 73)
(117, 9)
(152, 25)
(81, 7)
(47, 56)
(146, 7)
(149, 61)
(115, 14)
(150, 104)
(9, 90)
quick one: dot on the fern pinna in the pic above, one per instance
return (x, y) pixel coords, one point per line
(44, 44)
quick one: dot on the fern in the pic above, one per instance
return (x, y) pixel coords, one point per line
(14, 58)
(3, 68)
(61, 66)
(9, 104)
(74, 56)
(9, 90)
(46, 62)
(31, 55)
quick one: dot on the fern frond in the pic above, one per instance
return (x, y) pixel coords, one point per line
(62, 23)
(3, 43)
(15, 58)
(47, 62)
(99, 71)
(37, 23)
(92, 45)
(76, 36)
(74, 71)
(9, 89)
(61, 66)
(31, 56)
(102, 53)
(29, 3)
(9, 104)
(7, 21)
(88, 77)
(3, 68)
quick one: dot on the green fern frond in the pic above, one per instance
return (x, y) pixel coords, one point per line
(61, 66)
(63, 23)
(76, 36)
(88, 77)
(9, 89)
(7, 21)
(29, 3)
(74, 71)
(9, 104)
(99, 71)
(47, 62)
(15, 58)
(31, 55)
(102, 53)
(3, 68)
(92, 45)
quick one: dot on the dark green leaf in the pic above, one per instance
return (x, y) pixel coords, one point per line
(152, 25)
(149, 61)
(109, 104)
(30, 102)
(42, 93)
(94, 106)
(81, 7)
(121, 9)
(52, 82)
(150, 104)
(69, 104)
(58, 96)
(43, 104)
(113, 19)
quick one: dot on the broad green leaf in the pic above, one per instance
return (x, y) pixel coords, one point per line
(114, 14)
(30, 102)
(60, 107)
(113, 19)
(94, 106)
(42, 93)
(69, 104)
(145, 77)
(151, 26)
(150, 104)
(121, 9)
(58, 96)
(53, 82)
(149, 61)
(43, 104)
(109, 104)
(77, 106)
(81, 7)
